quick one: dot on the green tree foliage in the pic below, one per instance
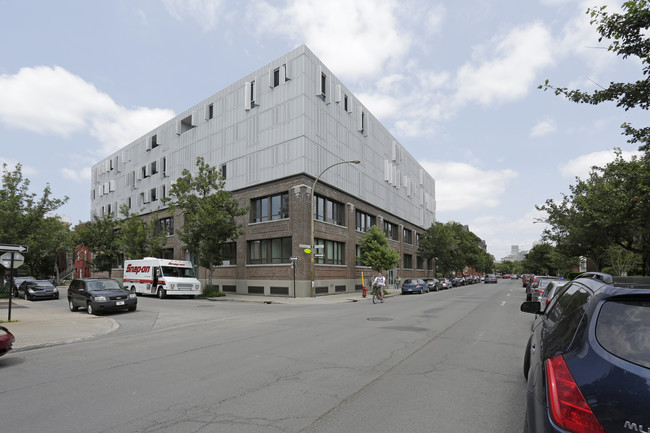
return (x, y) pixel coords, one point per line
(454, 248)
(545, 259)
(622, 260)
(101, 235)
(139, 238)
(375, 251)
(610, 207)
(209, 213)
(27, 220)
(628, 36)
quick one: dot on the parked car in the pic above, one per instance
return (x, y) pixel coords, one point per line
(433, 283)
(18, 281)
(445, 283)
(587, 362)
(458, 281)
(537, 285)
(37, 289)
(7, 339)
(525, 279)
(414, 285)
(99, 295)
(490, 279)
(549, 292)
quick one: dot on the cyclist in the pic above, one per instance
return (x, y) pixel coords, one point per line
(380, 282)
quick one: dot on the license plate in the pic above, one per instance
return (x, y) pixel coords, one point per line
(119, 303)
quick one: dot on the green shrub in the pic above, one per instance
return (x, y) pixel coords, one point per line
(211, 291)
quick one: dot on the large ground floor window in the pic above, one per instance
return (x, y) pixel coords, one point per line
(269, 251)
(333, 253)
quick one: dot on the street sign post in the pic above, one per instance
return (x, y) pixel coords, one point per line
(11, 260)
(12, 247)
(8, 258)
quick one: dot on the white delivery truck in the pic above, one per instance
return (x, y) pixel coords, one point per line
(161, 277)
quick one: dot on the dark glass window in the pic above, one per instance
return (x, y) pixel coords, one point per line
(166, 225)
(269, 251)
(333, 252)
(364, 221)
(390, 230)
(329, 210)
(623, 328)
(269, 208)
(276, 77)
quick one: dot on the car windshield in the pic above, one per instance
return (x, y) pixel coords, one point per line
(41, 284)
(104, 285)
(173, 271)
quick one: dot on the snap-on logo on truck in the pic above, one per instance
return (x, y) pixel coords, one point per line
(138, 269)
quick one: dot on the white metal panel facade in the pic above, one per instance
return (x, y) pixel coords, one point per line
(262, 132)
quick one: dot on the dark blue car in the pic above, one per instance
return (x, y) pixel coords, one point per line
(587, 362)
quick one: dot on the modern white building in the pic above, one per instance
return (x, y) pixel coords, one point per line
(273, 133)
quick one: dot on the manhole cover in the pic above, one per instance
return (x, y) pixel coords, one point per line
(379, 319)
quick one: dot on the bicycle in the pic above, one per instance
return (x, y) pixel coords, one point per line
(376, 295)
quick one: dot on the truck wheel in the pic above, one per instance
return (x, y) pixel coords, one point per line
(162, 293)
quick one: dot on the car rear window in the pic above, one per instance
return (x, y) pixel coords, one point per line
(623, 329)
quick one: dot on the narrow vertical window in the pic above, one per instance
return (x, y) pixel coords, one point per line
(210, 111)
(345, 103)
(276, 77)
(223, 171)
(154, 141)
(323, 83)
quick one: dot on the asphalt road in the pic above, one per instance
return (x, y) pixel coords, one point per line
(449, 361)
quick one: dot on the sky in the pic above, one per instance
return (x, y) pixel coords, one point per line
(456, 83)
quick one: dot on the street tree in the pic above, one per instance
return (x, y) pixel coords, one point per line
(101, 235)
(140, 238)
(436, 245)
(375, 251)
(628, 36)
(209, 213)
(28, 220)
(610, 207)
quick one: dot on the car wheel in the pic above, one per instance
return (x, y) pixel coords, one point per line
(26, 297)
(90, 309)
(72, 306)
(527, 359)
(133, 308)
(162, 293)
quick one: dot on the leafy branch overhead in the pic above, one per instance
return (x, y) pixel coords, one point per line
(628, 36)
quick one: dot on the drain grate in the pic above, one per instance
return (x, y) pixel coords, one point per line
(379, 319)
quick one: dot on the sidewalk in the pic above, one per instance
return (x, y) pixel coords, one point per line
(37, 325)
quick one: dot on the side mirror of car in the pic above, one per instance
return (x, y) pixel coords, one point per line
(533, 307)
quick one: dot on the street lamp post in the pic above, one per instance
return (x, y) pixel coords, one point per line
(311, 214)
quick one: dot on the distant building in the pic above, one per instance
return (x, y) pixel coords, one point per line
(515, 254)
(272, 133)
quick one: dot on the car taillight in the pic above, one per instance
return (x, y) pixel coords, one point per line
(568, 406)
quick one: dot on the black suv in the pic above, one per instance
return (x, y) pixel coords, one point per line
(97, 295)
(587, 361)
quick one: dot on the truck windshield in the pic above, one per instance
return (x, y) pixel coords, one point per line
(170, 271)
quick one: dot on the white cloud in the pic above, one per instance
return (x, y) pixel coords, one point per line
(498, 232)
(461, 186)
(52, 101)
(508, 71)
(205, 12)
(543, 127)
(581, 166)
(26, 170)
(354, 39)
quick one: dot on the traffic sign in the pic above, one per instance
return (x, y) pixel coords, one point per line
(6, 260)
(307, 251)
(293, 259)
(317, 247)
(304, 246)
(319, 256)
(11, 247)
